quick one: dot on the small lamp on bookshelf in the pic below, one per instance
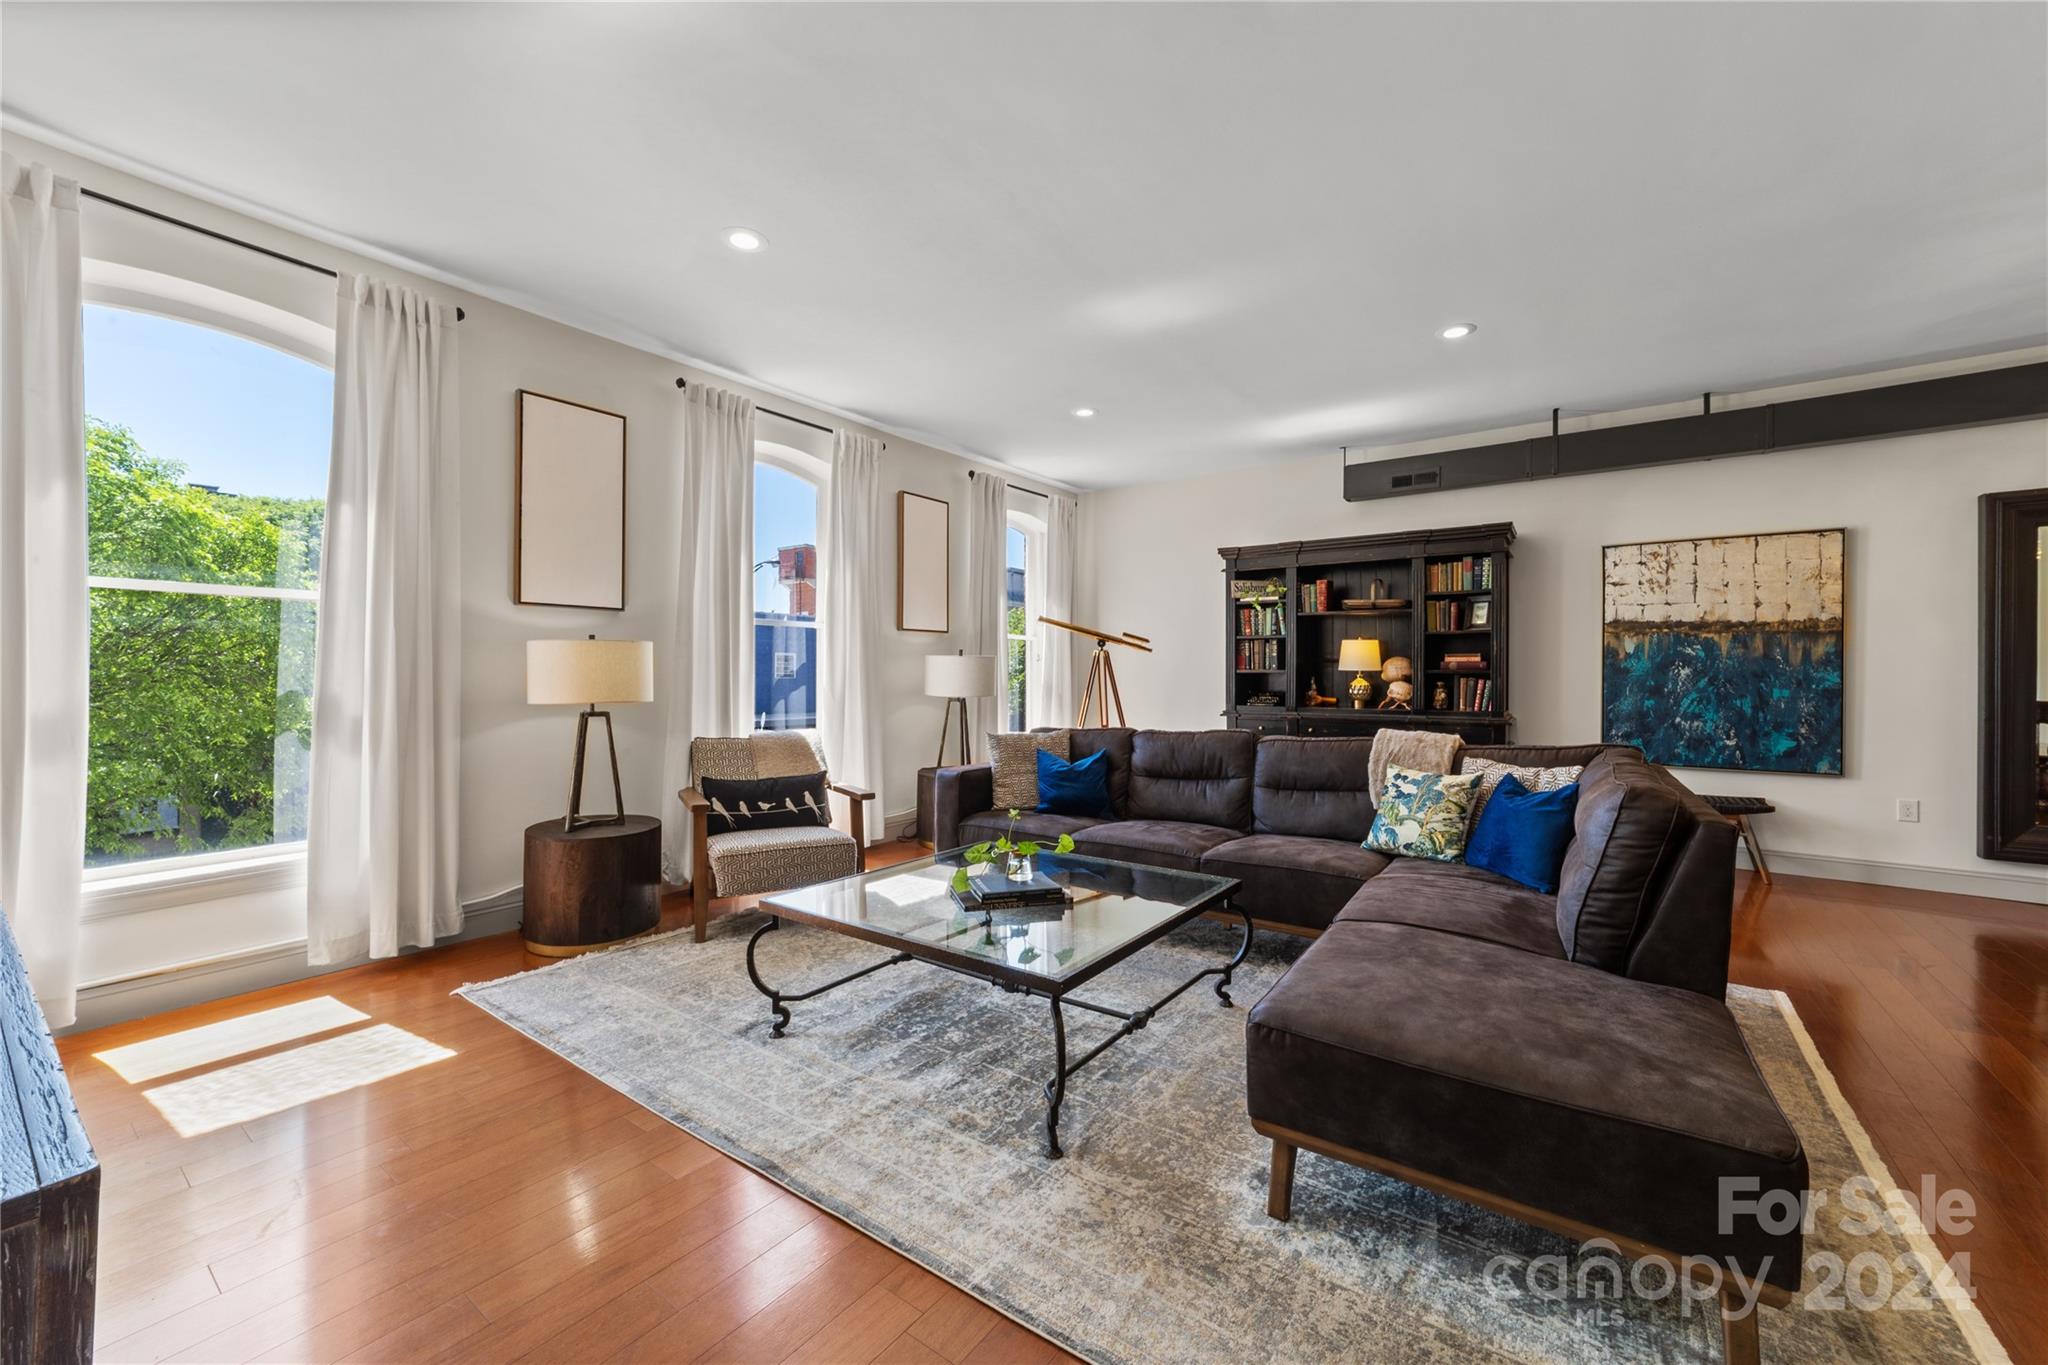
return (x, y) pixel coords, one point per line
(1359, 657)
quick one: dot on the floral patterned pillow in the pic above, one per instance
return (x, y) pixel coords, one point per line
(1423, 815)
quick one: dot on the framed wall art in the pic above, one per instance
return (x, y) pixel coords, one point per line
(924, 564)
(568, 505)
(1726, 652)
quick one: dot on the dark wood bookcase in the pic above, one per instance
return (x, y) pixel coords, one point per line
(1284, 646)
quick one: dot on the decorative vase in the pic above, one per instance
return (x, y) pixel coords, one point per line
(1018, 869)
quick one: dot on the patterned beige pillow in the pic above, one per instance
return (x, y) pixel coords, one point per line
(1015, 760)
(1492, 771)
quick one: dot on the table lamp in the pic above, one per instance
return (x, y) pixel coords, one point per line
(1359, 657)
(956, 677)
(584, 673)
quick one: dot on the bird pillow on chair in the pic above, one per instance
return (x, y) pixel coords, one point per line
(739, 803)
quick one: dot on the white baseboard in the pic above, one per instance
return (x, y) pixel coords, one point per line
(253, 969)
(2020, 884)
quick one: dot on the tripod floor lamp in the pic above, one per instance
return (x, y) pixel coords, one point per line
(956, 677)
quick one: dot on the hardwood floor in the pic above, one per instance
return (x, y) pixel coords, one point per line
(345, 1191)
(1932, 1012)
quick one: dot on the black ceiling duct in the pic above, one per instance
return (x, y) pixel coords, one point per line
(1981, 398)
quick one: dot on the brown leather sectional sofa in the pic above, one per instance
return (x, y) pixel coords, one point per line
(1565, 1059)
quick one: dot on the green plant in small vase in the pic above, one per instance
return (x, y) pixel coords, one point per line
(1015, 854)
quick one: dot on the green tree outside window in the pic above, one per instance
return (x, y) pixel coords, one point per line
(201, 706)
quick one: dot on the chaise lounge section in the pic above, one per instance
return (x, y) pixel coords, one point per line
(1565, 1059)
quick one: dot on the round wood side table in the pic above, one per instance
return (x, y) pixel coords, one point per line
(590, 887)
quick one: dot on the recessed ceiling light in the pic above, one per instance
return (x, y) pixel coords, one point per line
(744, 239)
(1458, 331)
(1084, 412)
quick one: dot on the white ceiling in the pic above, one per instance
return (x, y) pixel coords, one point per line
(1234, 230)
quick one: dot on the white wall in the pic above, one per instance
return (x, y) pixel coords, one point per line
(1909, 504)
(515, 758)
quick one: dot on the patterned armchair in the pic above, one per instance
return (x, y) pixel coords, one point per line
(753, 862)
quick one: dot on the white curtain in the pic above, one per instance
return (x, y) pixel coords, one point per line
(43, 679)
(1049, 698)
(381, 837)
(984, 624)
(711, 669)
(850, 596)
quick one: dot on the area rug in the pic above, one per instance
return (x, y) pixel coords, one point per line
(908, 1104)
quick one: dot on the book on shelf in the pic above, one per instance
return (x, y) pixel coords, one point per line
(1255, 655)
(1457, 662)
(1473, 573)
(1451, 615)
(1473, 694)
(1261, 620)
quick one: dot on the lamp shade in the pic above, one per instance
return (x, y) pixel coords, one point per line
(586, 672)
(1358, 656)
(959, 675)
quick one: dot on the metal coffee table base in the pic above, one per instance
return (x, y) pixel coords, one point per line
(1056, 1088)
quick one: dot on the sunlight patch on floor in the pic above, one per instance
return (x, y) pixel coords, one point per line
(145, 1061)
(269, 1085)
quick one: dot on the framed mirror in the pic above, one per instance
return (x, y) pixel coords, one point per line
(2012, 809)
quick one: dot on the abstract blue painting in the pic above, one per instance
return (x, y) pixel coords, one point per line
(1725, 652)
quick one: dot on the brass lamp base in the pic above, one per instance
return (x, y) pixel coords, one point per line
(1361, 690)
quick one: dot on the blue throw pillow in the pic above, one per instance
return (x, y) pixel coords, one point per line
(1523, 835)
(1078, 788)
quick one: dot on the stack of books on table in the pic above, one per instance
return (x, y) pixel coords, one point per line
(994, 891)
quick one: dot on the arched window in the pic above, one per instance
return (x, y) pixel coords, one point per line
(207, 447)
(1023, 601)
(788, 492)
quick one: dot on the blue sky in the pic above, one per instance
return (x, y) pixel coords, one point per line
(785, 513)
(235, 413)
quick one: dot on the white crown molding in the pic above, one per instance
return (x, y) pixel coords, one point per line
(12, 120)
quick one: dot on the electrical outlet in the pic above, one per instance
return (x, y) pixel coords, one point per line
(1909, 811)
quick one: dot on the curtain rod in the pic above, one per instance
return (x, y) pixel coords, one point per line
(682, 383)
(1017, 487)
(221, 237)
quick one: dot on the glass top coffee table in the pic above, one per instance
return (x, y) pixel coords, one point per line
(1116, 909)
